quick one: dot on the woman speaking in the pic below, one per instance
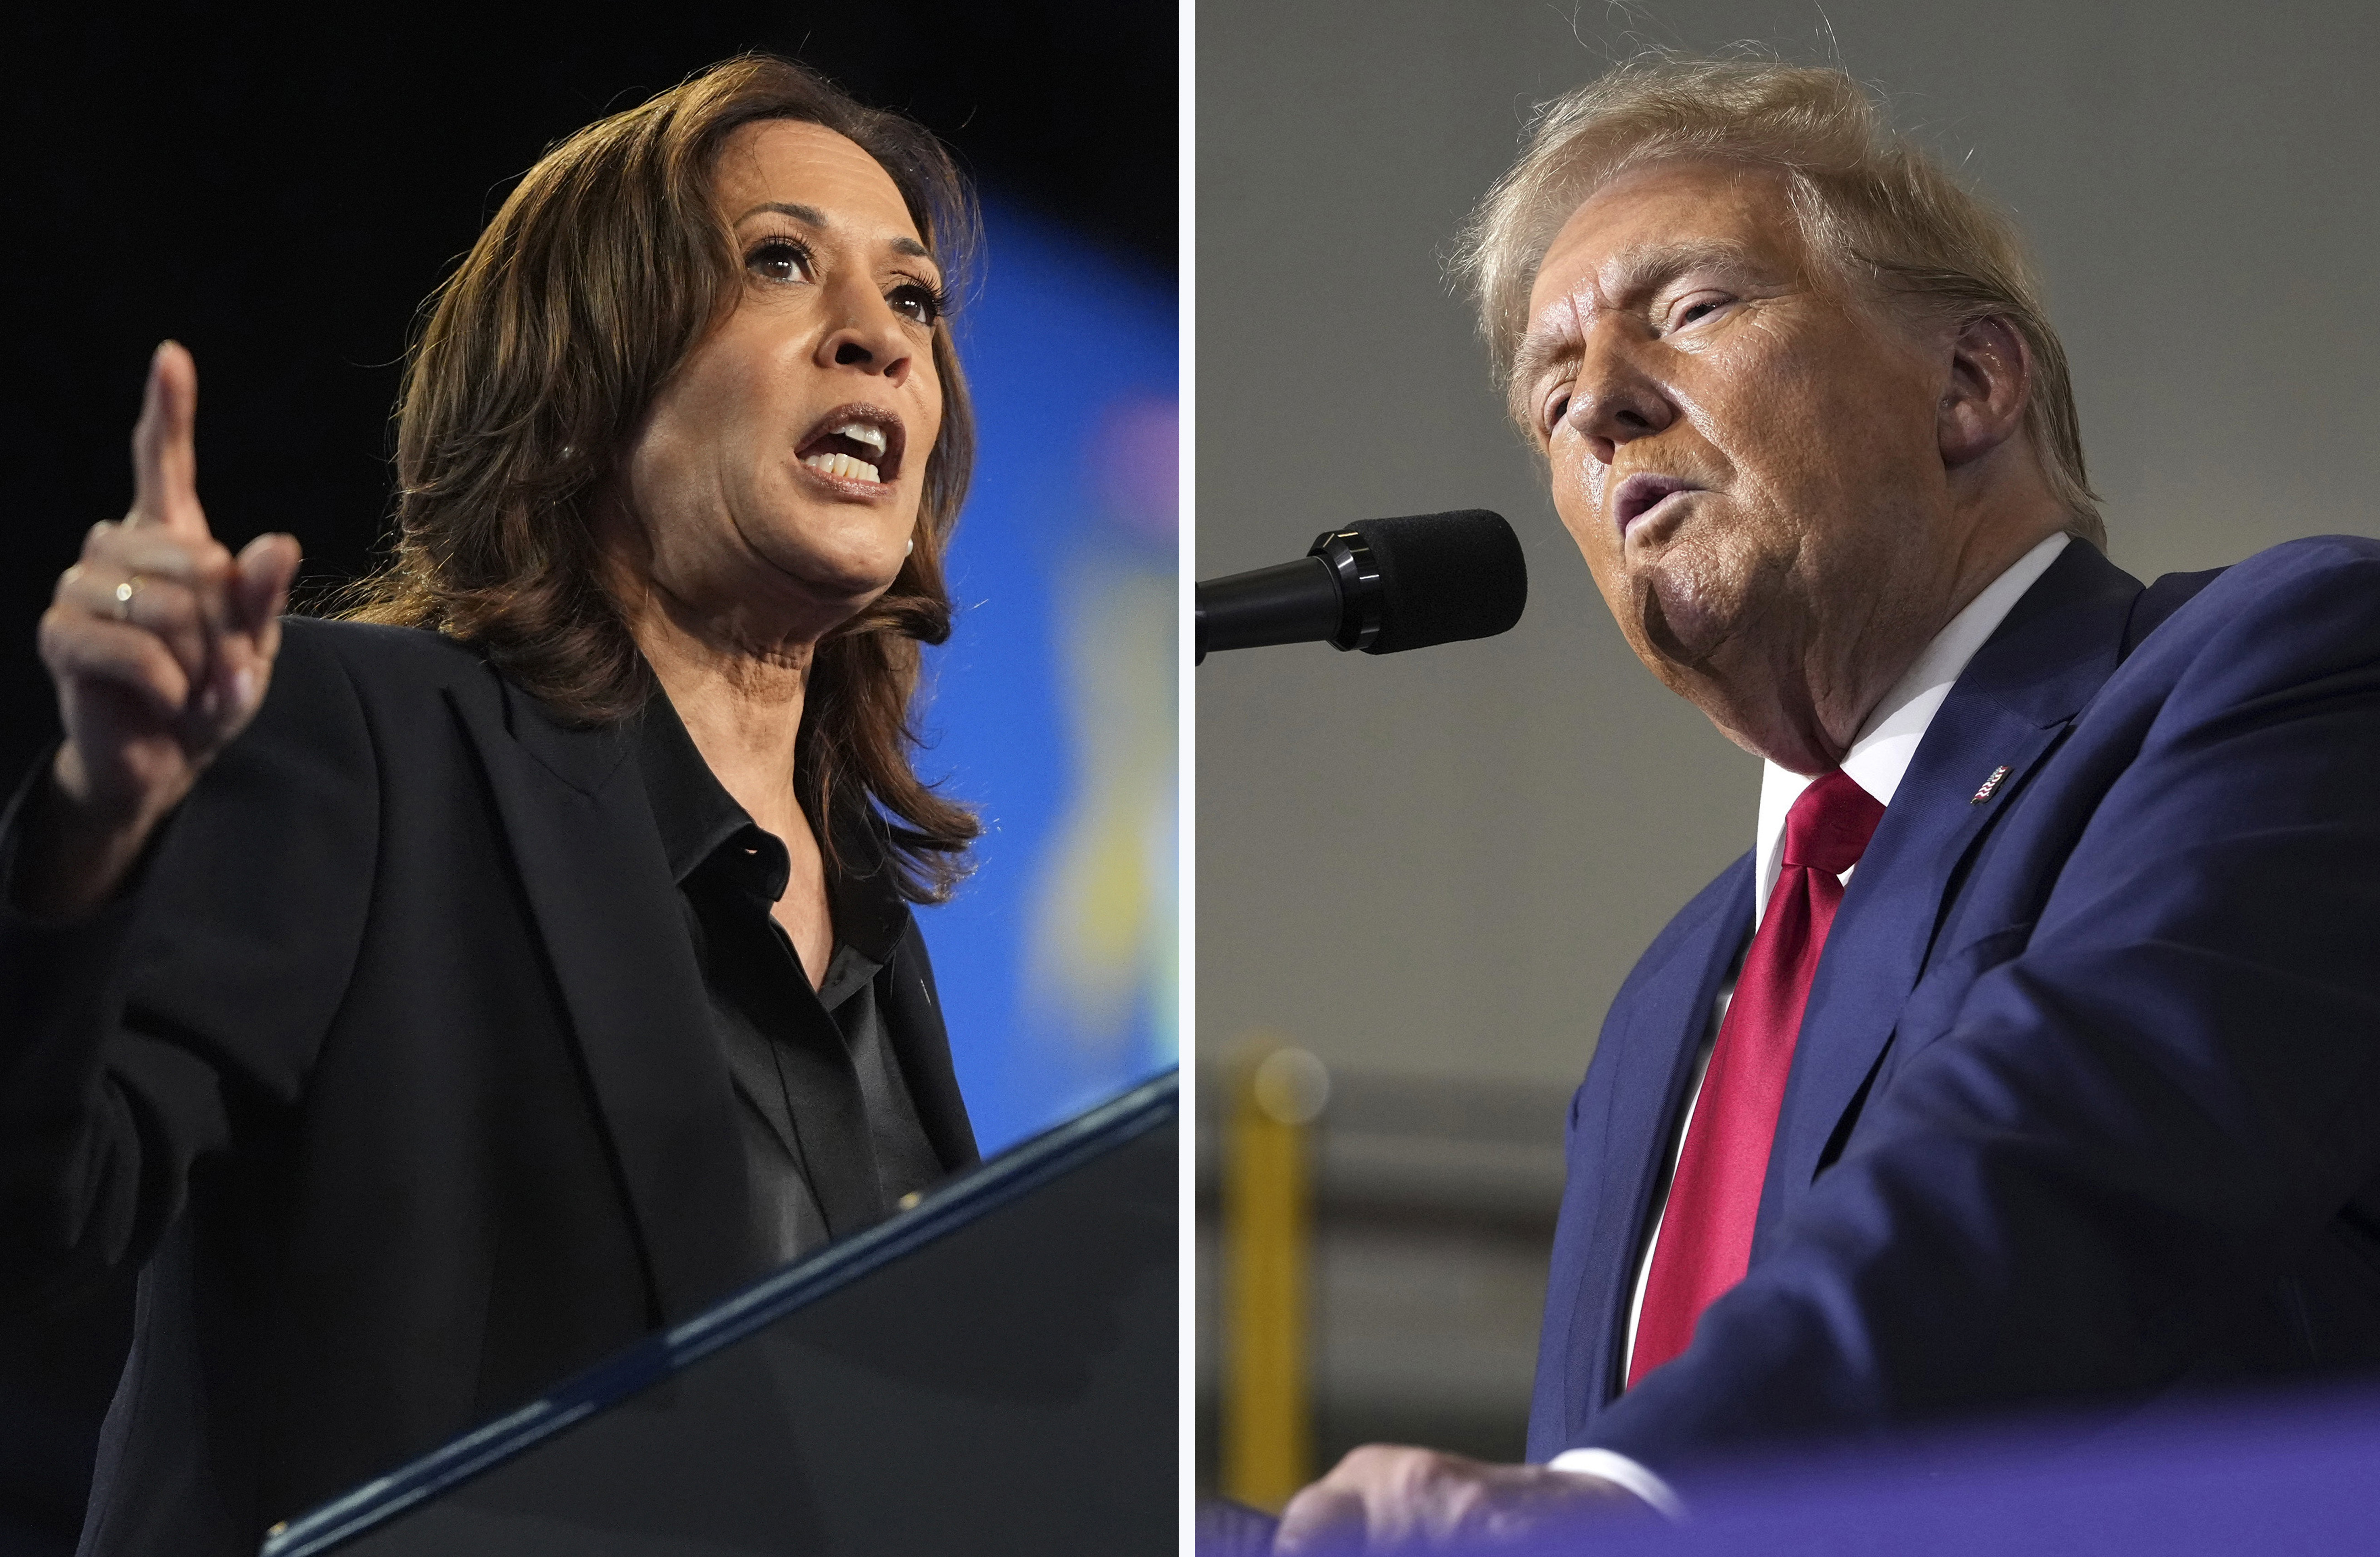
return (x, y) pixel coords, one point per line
(437, 999)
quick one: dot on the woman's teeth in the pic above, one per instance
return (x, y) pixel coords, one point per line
(864, 434)
(841, 466)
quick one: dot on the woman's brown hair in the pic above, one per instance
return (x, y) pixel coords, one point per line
(539, 354)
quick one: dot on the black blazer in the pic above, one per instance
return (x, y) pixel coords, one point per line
(394, 1067)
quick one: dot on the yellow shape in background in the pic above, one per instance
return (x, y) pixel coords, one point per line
(1104, 910)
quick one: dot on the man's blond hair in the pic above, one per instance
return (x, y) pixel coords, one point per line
(1901, 229)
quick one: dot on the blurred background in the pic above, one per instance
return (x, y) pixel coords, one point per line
(1430, 871)
(280, 188)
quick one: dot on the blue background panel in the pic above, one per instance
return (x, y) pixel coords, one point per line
(1052, 708)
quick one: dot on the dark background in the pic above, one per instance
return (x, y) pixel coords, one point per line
(280, 190)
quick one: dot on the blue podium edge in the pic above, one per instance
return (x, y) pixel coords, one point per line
(1015, 1172)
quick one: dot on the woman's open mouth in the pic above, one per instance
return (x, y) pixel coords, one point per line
(859, 443)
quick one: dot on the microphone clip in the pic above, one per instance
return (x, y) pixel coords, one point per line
(1362, 595)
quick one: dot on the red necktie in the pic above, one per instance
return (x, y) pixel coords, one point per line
(1705, 1237)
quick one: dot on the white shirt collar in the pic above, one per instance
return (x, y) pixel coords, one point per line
(1886, 743)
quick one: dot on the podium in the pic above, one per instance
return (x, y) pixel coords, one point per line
(994, 1371)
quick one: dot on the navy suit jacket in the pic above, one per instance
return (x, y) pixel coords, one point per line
(2086, 1101)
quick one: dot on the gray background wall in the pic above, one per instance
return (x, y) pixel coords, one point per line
(1433, 870)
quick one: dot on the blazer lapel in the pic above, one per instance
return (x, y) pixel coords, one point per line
(871, 912)
(2007, 710)
(1653, 1061)
(922, 1048)
(598, 886)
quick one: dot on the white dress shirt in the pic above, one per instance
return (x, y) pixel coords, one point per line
(1878, 760)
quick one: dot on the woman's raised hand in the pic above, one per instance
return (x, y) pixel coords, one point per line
(160, 642)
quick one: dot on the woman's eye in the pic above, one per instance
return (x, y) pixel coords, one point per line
(916, 301)
(779, 259)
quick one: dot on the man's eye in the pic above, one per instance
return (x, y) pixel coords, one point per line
(1555, 408)
(779, 259)
(917, 301)
(1699, 309)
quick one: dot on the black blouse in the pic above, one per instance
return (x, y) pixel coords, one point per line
(830, 1138)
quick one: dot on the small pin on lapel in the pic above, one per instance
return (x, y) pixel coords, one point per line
(1991, 784)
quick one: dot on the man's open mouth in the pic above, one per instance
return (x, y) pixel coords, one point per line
(1643, 493)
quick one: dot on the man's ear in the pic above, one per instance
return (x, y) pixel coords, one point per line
(1991, 381)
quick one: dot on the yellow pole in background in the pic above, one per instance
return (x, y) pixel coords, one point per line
(1268, 1446)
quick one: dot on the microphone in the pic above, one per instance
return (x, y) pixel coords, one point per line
(1382, 586)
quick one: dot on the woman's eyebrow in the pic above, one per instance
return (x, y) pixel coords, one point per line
(812, 216)
(808, 215)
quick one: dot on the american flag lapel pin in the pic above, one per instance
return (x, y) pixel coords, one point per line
(1991, 786)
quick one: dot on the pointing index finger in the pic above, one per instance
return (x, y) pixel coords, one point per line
(164, 456)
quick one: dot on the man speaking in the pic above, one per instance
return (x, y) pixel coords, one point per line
(2032, 1055)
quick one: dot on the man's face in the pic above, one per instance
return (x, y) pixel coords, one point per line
(1748, 458)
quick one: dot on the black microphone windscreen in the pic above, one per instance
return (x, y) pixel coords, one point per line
(1445, 578)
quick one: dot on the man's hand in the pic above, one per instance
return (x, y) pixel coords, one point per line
(160, 643)
(1385, 1498)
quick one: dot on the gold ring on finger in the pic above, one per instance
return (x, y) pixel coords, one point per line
(124, 593)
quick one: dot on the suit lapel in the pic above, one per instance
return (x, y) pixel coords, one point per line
(1653, 1060)
(2007, 711)
(921, 1047)
(871, 912)
(598, 886)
